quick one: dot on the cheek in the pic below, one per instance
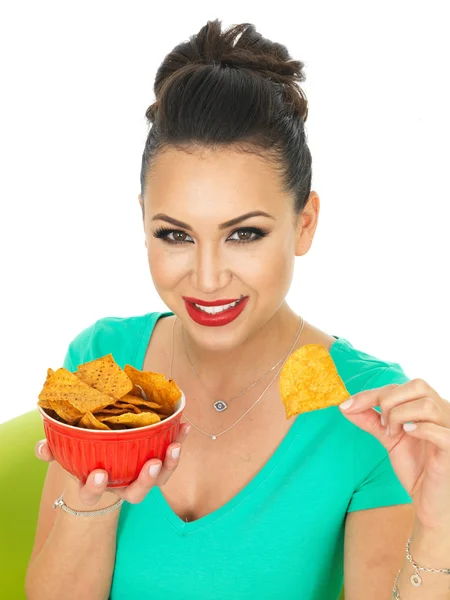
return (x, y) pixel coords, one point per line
(166, 267)
(267, 268)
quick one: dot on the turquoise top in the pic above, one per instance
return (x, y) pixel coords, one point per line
(282, 535)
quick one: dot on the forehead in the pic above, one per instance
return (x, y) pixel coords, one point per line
(221, 175)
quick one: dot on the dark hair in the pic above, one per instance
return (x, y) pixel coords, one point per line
(219, 91)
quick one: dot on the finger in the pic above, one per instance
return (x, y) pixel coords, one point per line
(367, 399)
(424, 409)
(184, 430)
(170, 463)
(389, 396)
(91, 492)
(150, 474)
(440, 436)
(140, 487)
(42, 451)
(412, 390)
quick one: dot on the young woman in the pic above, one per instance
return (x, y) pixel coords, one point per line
(255, 506)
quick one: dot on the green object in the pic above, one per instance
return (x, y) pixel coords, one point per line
(21, 479)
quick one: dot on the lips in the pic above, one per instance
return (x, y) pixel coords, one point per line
(211, 303)
(222, 318)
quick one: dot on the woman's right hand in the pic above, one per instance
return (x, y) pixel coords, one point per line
(95, 491)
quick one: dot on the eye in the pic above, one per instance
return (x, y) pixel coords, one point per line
(164, 233)
(248, 232)
(179, 236)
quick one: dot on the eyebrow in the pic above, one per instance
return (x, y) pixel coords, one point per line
(230, 223)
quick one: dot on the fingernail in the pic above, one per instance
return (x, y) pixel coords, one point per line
(99, 478)
(383, 421)
(175, 453)
(346, 404)
(40, 448)
(409, 426)
(187, 430)
(154, 470)
(388, 433)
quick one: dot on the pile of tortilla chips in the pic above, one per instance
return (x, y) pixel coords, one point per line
(309, 380)
(100, 395)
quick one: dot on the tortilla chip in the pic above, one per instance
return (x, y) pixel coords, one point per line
(309, 381)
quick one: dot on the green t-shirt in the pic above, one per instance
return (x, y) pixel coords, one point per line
(282, 535)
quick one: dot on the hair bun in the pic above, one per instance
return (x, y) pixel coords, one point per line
(238, 47)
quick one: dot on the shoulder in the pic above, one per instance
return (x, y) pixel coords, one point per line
(361, 371)
(120, 336)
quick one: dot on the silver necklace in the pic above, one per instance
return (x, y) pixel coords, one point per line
(216, 435)
(221, 405)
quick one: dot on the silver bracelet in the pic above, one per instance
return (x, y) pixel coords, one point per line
(415, 579)
(85, 513)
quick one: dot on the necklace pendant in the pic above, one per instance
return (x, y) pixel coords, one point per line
(416, 580)
(213, 437)
(220, 405)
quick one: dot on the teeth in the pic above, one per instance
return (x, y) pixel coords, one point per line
(212, 310)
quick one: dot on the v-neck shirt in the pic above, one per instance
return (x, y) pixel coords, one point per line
(282, 534)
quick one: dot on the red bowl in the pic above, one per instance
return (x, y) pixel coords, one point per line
(121, 452)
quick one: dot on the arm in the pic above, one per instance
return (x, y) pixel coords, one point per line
(431, 550)
(73, 557)
(374, 550)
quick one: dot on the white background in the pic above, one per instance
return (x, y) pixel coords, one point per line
(77, 79)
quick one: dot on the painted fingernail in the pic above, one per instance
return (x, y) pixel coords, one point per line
(99, 478)
(175, 453)
(346, 404)
(154, 470)
(409, 426)
(187, 430)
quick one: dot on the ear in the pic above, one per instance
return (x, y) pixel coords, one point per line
(140, 200)
(307, 224)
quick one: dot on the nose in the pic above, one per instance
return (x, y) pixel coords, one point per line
(210, 273)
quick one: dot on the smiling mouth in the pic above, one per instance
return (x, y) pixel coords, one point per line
(214, 310)
(213, 307)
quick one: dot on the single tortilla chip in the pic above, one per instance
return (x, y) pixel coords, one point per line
(105, 375)
(65, 411)
(309, 381)
(139, 401)
(155, 386)
(65, 387)
(118, 409)
(133, 420)
(88, 421)
(45, 403)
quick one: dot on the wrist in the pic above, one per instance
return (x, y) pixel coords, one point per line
(71, 497)
(430, 548)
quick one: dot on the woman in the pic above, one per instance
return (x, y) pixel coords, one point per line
(256, 506)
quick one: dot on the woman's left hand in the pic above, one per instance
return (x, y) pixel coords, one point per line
(420, 458)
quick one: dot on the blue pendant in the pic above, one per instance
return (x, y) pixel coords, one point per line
(220, 405)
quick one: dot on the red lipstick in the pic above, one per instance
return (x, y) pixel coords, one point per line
(222, 318)
(211, 303)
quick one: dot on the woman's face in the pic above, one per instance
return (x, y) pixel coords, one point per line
(200, 257)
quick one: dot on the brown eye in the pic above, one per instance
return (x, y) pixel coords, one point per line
(245, 235)
(179, 236)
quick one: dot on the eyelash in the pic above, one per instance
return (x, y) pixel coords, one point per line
(163, 232)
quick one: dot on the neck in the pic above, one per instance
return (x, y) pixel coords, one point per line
(226, 370)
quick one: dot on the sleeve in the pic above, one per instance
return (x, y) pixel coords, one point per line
(376, 483)
(78, 348)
